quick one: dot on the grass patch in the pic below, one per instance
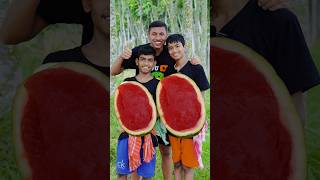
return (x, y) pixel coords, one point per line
(312, 128)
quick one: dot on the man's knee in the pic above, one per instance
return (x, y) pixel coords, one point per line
(186, 169)
(122, 177)
(177, 165)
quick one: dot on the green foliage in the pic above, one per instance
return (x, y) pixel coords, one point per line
(312, 127)
(138, 10)
(8, 167)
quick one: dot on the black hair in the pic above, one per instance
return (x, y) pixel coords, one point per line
(175, 38)
(157, 24)
(146, 50)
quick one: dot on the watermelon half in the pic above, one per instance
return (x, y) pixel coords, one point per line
(60, 123)
(135, 108)
(180, 105)
(257, 131)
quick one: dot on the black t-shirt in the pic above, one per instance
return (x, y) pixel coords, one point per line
(69, 11)
(152, 88)
(278, 37)
(74, 55)
(163, 68)
(197, 74)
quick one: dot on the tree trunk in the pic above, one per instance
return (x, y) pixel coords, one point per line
(188, 30)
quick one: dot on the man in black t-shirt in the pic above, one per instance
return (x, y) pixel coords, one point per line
(183, 166)
(176, 49)
(157, 35)
(163, 68)
(277, 36)
(145, 61)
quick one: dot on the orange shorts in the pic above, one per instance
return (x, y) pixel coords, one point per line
(183, 150)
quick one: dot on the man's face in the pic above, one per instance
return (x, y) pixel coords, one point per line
(99, 13)
(145, 63)
(157, 37)
(176, 50)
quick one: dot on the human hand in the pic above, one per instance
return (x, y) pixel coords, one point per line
(195, 61)
(126, 54)
(273, 5)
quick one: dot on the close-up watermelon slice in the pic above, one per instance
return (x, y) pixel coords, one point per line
(60, 123)
(180, 105)
(257, 132)
(135, 108)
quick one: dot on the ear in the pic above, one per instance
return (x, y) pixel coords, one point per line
(87, 5)
(137, 61)
(154, 63)
(167, 35)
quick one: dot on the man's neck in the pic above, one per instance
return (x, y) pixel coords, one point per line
(180, 63)
(97, 50)
(142, 77)
(225, 10)
(158, 51)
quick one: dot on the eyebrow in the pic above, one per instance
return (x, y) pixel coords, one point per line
(174, 43)
(144, 57)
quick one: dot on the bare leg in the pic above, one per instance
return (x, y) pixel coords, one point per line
(122, 177)
(166, 161)
(177, 171)
(188, 173)
(134, 176)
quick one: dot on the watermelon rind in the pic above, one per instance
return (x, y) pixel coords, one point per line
(20, 101)
(188, 132)
(150, 126)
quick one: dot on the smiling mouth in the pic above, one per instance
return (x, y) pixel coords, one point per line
(145, 68)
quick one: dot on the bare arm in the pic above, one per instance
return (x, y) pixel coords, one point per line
(21, 22)
(195, 60)
(116, 67)
(300, 104)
